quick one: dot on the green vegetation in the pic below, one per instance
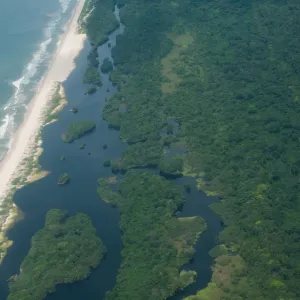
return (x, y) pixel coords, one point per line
(98, 21)
(62, 252)
(227, 72)
(105, 192)
(78, 129)
(93, 57)
(56, 104)
(63, 179)
(92, 76)
(227, 269)
(186, 278)
(107, 66)
(117, 167)
(156, 244)
(171, 166)
(106, 163)
(147, 154)
(82, 146)
(91, 90)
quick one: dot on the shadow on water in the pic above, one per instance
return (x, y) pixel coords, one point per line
(85, 167)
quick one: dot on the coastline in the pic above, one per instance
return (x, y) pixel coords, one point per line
(20, 164)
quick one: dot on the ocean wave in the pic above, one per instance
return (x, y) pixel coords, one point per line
(31, 77)
(65, 5)
(5, 124)
(32, 67)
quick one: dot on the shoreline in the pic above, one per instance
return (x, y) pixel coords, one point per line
(26, 144)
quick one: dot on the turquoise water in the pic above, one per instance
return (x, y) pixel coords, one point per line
(29, 32)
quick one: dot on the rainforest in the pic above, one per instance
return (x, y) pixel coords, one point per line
(204, 99)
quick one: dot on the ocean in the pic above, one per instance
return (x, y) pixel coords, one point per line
(29, 32)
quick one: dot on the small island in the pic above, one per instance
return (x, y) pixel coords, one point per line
(63, 179)
(106, 163)
(64, 251)
(74, 110)
(78, 129)
(92, 76)
(91, 90)
(106, 66)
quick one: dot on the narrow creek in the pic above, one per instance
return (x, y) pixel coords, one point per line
(85, 167)
(197, 204)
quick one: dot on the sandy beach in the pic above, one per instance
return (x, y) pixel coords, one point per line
(70, 45)
(25, 139)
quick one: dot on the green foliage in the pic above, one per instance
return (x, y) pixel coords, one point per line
(106, 66)
(100, 21)
(78, 129)
(169, 139)
(91, 90)
(228, 73)
(171, 166)
(155, 243)
(64, 178)
(186, 278)
(93, 57)
(105, 192)
(211, 292)
(106, 163)
(62, 252)
(144, 154)
(54, 103)
(92, 76)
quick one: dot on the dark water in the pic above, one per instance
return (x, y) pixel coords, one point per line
(197, 204)
(80, 195)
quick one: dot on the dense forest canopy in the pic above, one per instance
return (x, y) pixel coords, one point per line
(77, 129)
(62, 252)
(228, 73)
(155, 243)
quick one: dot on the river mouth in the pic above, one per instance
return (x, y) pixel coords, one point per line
(85, 167)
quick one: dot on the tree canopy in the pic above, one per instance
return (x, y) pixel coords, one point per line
(228, 73)
(63, 251)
